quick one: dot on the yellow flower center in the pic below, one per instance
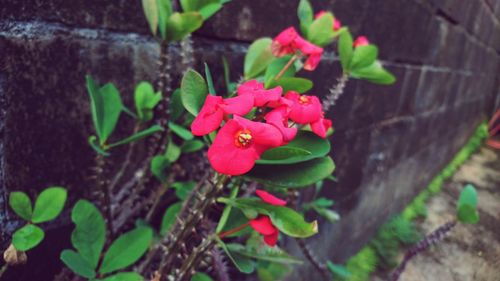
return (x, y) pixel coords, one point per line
(304, 100)
(243, 138)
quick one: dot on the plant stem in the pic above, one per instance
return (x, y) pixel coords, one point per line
(429, 240)
(312, 259)
(286, 67)
(187, 267)
(3, 269)
(232, 231)
(335, 92)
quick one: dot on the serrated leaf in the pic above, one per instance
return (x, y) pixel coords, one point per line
(49, 204)
(181, 131)
(77, 264)
(89, 235)
(193, 91)
(21, 204)
(258, 57)
(294, 175)
(27, 237)
(127, 249)
(169, 217)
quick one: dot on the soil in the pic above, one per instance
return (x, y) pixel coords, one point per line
(468, 252)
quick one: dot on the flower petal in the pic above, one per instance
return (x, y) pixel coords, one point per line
(269, 198)
(271, 239)
(209, 118)
(304, 113)
(279, 118)
(263, 134)
(239, 105)
(321, 126)
(263, 225)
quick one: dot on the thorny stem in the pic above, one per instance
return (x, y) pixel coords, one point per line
(286, 67)
(335, 92)
(104, 189)
(429, 240)
(232, 231)
(186, 270)
(159, 194)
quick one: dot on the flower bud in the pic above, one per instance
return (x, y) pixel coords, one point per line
(14, 257)
(361, 41)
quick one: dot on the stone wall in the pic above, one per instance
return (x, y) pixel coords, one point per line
(389, 141)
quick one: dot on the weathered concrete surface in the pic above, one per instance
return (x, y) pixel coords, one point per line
(389, 141)
(469, 252)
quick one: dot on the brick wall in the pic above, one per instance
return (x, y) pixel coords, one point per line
(389, 141)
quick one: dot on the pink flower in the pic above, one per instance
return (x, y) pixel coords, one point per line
(259, 93)
(269, 198)
(311, 51)
(321, 126)
(240, 143)
(263, 225)
(305, 109)
(361, 41)
(336, 23)
(213, 111)
(279, 118)
(284, 44)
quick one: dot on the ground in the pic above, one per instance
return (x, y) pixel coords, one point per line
(469, 252)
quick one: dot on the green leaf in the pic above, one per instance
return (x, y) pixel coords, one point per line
(158, 166)
(49, 204)
(169, 217)
(345, 48)
(89, 235)
(180, 131)
(338, 271)
(275, 68)
(207, 8)
(112, 108)
(21, 204)
(193, 91)
(300, 85)
(173, 152)
(201, 277)
(27, 237)
(123, 276)
(270, 255)
(320, 32)
(305, 14)
(127, 249)
(295, 175)
(363, 56)
(304, 147)
(285, 219)
(97, 148)
(183, 189)
(258, 57)
(242, 263)
(374, 73)
(164, 12)
(328, 214)
(192, 146)
(77, 264)
(150, 8)
(176, 107)
(180, 25)
(145, 100)
(210, 82)
(210, 10)
(467, 205)
(142, 134)
(227, 210)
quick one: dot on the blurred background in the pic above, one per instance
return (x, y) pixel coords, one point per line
(389, 141)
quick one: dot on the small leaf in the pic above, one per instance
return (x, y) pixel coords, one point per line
(210, 10)
(272, 255)
(158, 166)
(363, 56)
(283, 155)
(192, 146)
(176, 107)
(275, 68)
(242, 263)
(112, 108)
(27, 237)
(164, 12)
(467, 205)
(193, 91)
(180, 25)
(150, 8)
(146, 100)
(169, 217)
(183, 189)
(295, 175)
(127, 249)
(328, 214)
(300, 85)
(210, 82)
(180, 131)
(305, 14)
(123, 276)
(49, 204)
(374, 73)
(21, 204)
(320, 32)
(142, 134)
(258, 57)
(345, 48)
(227, 73)
(89, 235)
(173, 152)
(338, 271)
(77, 264)
(201, 277)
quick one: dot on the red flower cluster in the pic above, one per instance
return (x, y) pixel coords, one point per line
(290, 42)
(263, 224)
(240, 141)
